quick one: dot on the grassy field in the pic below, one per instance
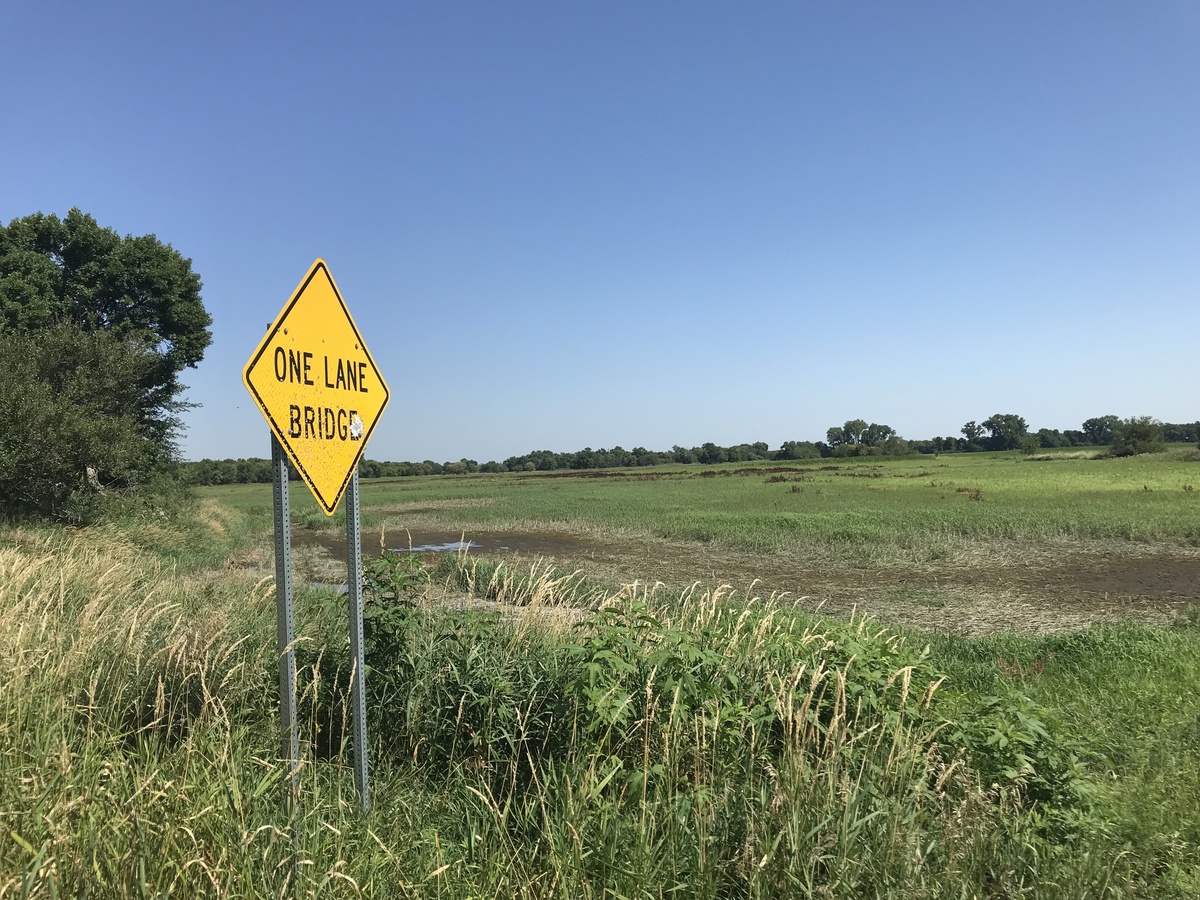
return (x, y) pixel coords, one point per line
(543, 726)
(973, 543)
(871, 506)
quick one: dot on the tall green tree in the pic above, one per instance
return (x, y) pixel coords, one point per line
(857, 433)
(972, 436)
(1099, 430)
(851, 432)
(95, 330)
(1005, 431)
(876, 435)
(137, 289)
(798, 450)
(1139, 434)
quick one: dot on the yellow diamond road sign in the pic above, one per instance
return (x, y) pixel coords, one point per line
(317, 386)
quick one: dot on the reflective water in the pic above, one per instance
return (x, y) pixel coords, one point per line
(530, 543)
(448, 547)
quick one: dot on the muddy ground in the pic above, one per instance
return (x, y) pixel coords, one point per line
(1038, 590)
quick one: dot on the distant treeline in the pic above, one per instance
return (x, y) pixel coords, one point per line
(854, 438)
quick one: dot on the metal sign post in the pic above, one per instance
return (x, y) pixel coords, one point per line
(284, 631)
(357, 694)
(321, 393)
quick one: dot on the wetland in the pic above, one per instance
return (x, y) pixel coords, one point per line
(967, 544)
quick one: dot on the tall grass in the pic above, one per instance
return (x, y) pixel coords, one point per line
(137, 751)
(702, 745)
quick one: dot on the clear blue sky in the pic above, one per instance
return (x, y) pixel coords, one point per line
(585, 224)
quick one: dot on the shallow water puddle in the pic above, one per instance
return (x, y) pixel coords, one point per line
(529, 543)
(447, 547)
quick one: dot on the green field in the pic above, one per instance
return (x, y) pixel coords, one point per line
(973, 543)
(665, 686)
(893, 504)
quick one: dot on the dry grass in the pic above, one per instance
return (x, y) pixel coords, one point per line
(219, 519)
(1066, 454)
(430, 506)
(136, 753)
(533, 595)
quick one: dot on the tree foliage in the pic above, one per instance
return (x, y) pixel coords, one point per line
(69, 407)
(1099, 429)
(137, 289)
(798, 450)
(858, 438)
(98, 329)
(853, 438)
(1005, 431)
(1181, 432)
(1140, 434)
(972, 436)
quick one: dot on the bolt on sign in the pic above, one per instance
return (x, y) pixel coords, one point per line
(317, 386)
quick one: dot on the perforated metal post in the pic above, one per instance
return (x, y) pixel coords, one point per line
(284, 630)
(358, 690)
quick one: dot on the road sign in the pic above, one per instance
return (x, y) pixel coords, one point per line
(317, 386)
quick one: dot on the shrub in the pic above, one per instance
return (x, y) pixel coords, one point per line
(1140, 434)
(71, 422)
(1013, 748)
